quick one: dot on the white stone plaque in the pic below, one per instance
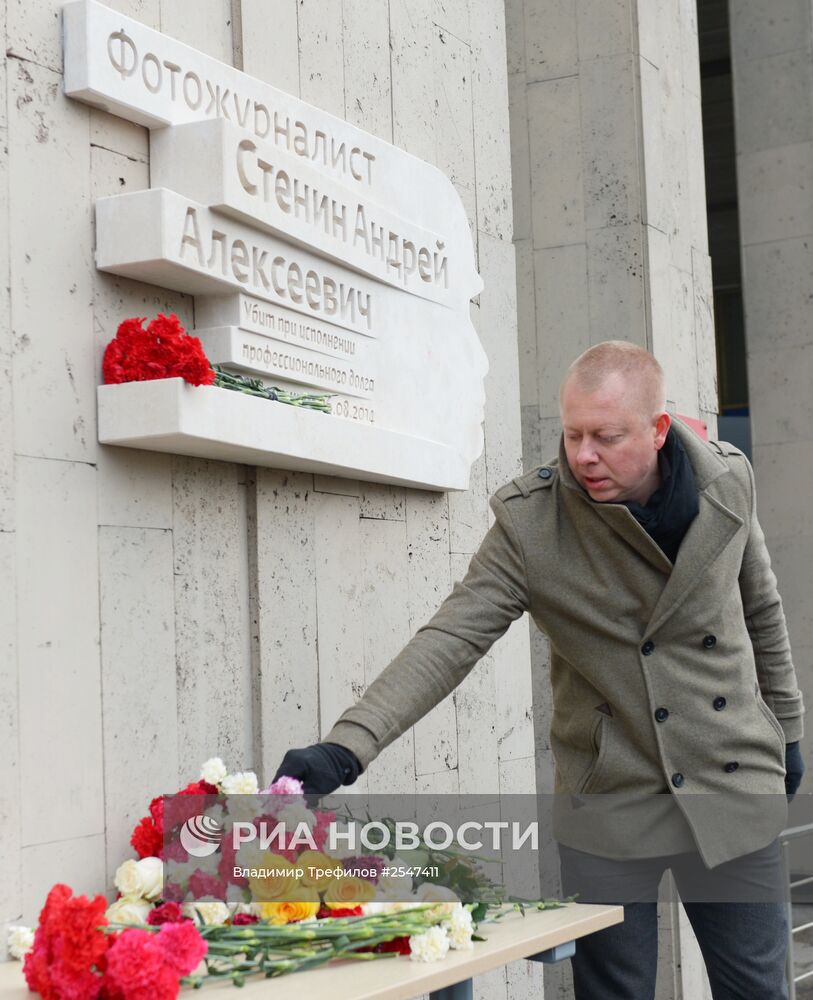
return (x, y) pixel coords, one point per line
(320, 256)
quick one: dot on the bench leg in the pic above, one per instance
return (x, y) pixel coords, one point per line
(459, 991)
(557, 954)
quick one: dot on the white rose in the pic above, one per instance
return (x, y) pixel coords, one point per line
(152, 877)
(128, 879)
(207, 912)
(240, 783)
(20, 940)
(431, 946)
(129, 910)
(389, 906)
(376, 909)
(460, 928)
(446, 900)
(428, 892)
(140, 879)
(213, 771)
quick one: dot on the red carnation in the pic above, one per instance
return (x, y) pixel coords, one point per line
(341, 911)
(166, 328)
(69, 945)
(163, 350)
(199, 788)
(166, 913)
(244, 918)
(399, 945)
(148, 837)
(147, 840)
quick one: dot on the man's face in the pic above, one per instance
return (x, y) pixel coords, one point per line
(612, 440)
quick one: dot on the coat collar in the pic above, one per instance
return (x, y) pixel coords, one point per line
(709, 533)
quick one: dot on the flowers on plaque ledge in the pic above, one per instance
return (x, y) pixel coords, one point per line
(165, 350)
(194, 908)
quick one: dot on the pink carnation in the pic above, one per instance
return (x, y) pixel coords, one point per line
(183, 946)
(284, 786)
(138, 968)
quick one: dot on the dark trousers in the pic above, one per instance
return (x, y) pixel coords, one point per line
(736, 912)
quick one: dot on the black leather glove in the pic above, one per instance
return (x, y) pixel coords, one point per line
(321, 768)
(794, 768)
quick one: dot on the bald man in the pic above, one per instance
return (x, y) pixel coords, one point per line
(638, 552)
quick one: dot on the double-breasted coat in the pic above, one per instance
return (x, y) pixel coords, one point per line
(672, 685)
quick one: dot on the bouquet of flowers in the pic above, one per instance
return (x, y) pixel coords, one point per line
(166, 350)
(189, 912)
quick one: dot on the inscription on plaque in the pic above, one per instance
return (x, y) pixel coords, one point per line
(320, 257)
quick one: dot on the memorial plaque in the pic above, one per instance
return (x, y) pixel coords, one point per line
(322, 258)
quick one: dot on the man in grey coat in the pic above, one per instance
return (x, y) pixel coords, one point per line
(638, 552)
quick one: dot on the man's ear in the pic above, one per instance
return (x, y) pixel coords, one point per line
(662, 424)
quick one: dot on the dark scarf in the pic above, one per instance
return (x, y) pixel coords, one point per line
(673, 506)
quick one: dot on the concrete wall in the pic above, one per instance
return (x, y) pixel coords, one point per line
(772, 62)
(168, 608)
(611, 237)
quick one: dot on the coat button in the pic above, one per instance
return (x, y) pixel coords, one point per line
(677, 779)
(545, 473)
(709, 641)
(648, 647)
(731, 766)
(719, 704)
(661, 714)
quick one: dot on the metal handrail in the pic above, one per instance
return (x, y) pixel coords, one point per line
(785, 838)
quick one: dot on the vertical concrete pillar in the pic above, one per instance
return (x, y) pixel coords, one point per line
(772, 65)
(609, 195)
(611, 237)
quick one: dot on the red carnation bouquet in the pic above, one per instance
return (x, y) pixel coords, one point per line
(75, 958)
(166, 350)
(163, 350)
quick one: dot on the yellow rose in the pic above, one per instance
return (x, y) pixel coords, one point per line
(287, 911)
(348, 891)
(311, 860)
(279, 881)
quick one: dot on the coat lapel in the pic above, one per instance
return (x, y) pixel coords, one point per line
(708, 534)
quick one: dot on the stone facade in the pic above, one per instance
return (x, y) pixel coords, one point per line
(171, 608)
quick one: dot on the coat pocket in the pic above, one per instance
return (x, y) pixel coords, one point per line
(599, 740)
(771, 719)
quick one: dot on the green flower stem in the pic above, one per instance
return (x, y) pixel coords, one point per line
(255, 387)
(276, 950)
